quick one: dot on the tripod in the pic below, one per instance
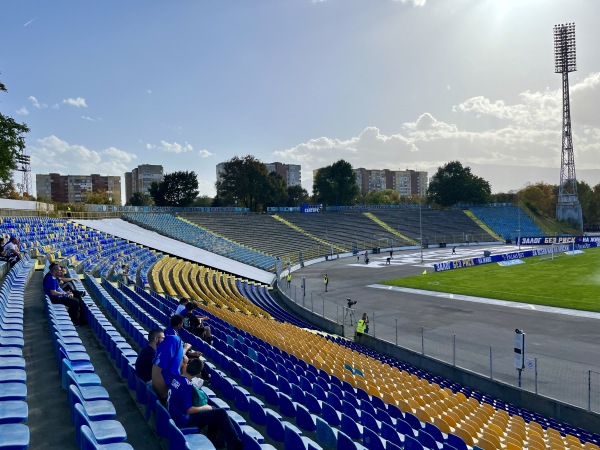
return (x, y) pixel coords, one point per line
(349, 313)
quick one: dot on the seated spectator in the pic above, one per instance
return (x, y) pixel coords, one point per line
(68, 284)
(181, 307)
(166, 364)
(57, 296)
(12, 251)
(175, 324)
(195, 324)
(2, 252)
(180, 404)
(143, 363)
(118, 274)
(125, 274)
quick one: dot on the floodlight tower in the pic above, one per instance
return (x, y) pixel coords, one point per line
(24, 165)
(568, 206)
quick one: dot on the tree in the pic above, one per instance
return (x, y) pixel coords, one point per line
(336, 184)
(296, 196)
(175, 189)
(245, 180)
(454, 184)
(384, 197)
(12, 143)
(97, 198)
(277, 193)
(141, 199)
(540, 198)
(204, 201)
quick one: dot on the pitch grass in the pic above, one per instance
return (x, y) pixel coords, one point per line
(568, 281)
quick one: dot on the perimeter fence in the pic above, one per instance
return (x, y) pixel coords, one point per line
(560, 379)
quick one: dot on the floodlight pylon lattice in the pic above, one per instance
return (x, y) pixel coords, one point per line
(24, 165)
(568, 206)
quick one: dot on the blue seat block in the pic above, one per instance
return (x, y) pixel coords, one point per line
(13, 391)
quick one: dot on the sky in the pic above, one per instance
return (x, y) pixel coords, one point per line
(384, 84)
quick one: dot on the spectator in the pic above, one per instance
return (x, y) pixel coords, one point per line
(125, 274)
(143, 363)
(12, 251)
(68, 284)
(175, 325)
(166, 364)
(181, 307)
(2, 252)
(57, 296)
(118, 274)
(180, 404)
(195, 324)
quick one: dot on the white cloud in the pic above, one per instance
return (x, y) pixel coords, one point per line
(52, 154)
(22, 111)
(205, 154)
(149, 91)
(150, 146)
(175, 147)
(55, 106)
(525, 134)
(88, 118)
(414, 2)
(36, 103)
(79, 102)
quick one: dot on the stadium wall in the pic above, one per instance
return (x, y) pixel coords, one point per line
(563, 412)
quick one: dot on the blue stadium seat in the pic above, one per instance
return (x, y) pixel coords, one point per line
(412, 444)
(105, 431)
(89, 442)
(294, 440)
(350, 427)
(178, 440)
(389, 433)
(14, 436)
(371, 440)
(13, 391)
(13, 411)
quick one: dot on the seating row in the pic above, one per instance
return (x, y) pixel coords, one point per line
(14, 410)
(88, 400)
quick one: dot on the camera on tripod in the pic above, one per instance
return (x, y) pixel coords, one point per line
(351, 302)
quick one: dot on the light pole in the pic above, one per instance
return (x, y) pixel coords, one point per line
(421, 227)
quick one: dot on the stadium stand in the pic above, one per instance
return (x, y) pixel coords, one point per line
(271, 236)
(298, 387)
(507, 220)
(194, 235)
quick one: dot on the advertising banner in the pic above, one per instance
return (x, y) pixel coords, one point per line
(469, 262)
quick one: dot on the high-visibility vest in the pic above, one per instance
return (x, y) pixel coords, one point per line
(326, 279)
(360, 326)
(289, 277)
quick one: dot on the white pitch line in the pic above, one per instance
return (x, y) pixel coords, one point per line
(492, 301)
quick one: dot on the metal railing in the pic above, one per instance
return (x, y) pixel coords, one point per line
(567, 381)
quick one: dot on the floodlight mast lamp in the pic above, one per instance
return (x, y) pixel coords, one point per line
(568, 206)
